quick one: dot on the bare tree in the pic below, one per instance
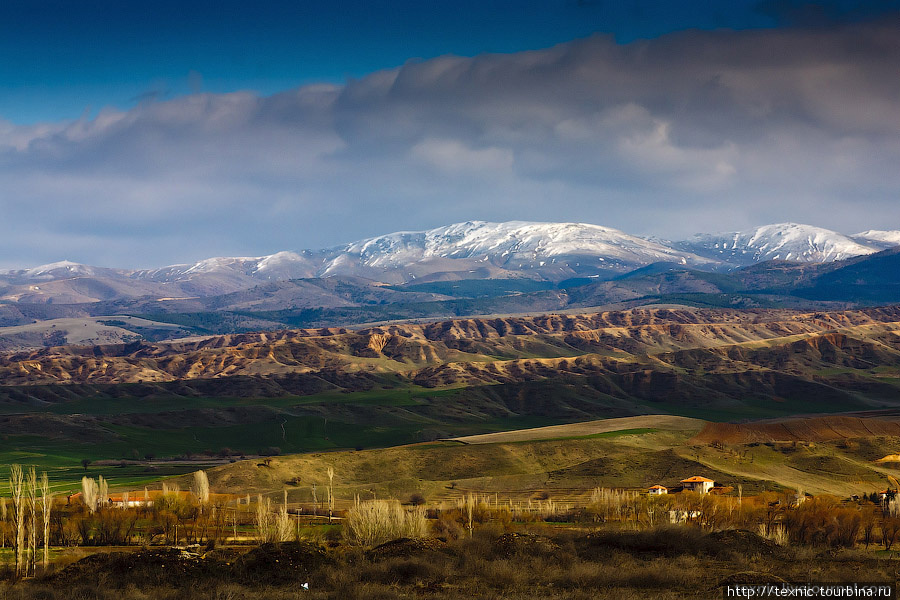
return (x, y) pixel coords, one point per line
(264, 529)
(2, 522)
(103, 491)
(32, 507)
(201, 488)
(89, 492)
(16, 483)
(330, 493)
(47, 504)
(283, 528)
(234, 521)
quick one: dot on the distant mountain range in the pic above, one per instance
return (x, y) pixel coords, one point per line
(788, 242)
(473, 250)
(473, 268)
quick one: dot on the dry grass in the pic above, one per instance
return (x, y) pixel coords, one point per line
(375, 522)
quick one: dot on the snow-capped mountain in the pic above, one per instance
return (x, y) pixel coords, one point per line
(57, 270)
(549, 250)
(278, 266)
(782, 241)
(471, 250)
(878, 238)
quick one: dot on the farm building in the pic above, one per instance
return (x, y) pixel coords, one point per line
(658, 490)
(697, 484)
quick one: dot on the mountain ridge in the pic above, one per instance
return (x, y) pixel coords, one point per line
(534, 250)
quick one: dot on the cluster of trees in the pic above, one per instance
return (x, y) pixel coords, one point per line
(31, 505)
(789, 518)
(32, 518)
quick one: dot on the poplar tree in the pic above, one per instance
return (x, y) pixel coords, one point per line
(32, 506)
(16, 483)
(47, 502)
(89, 493)
(103, 491)
(201, 488)
(330, 493)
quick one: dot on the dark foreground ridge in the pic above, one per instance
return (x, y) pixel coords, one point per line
(665, 563)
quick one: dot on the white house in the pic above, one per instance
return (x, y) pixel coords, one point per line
(658, 490)
(697, 484)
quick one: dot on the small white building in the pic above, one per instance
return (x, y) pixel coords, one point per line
(658, 490)
(697, 484)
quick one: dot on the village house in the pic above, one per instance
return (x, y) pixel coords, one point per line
(116, 501)
(697, 484)
(658, 490)
(123, 502)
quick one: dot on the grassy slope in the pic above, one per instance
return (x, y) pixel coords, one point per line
(567, 468)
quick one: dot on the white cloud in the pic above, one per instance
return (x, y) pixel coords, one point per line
(455, 157)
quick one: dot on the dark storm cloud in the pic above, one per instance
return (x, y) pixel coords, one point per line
(690, 131)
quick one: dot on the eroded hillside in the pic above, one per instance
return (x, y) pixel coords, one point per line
(466, 351)
(339, 388)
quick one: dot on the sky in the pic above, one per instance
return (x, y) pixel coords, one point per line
(141, 134)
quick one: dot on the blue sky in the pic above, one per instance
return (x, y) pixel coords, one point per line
(137, 135)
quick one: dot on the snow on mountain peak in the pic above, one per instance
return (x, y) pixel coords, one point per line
(879, 238)
(512, 242)
(489, 249)
(780, 241)
(63, 268)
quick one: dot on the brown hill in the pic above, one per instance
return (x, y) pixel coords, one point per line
(813, 429)
(491, 350)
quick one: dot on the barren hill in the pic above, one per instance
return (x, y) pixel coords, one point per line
(463, 351)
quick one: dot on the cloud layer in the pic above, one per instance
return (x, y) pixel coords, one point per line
(687, 132)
